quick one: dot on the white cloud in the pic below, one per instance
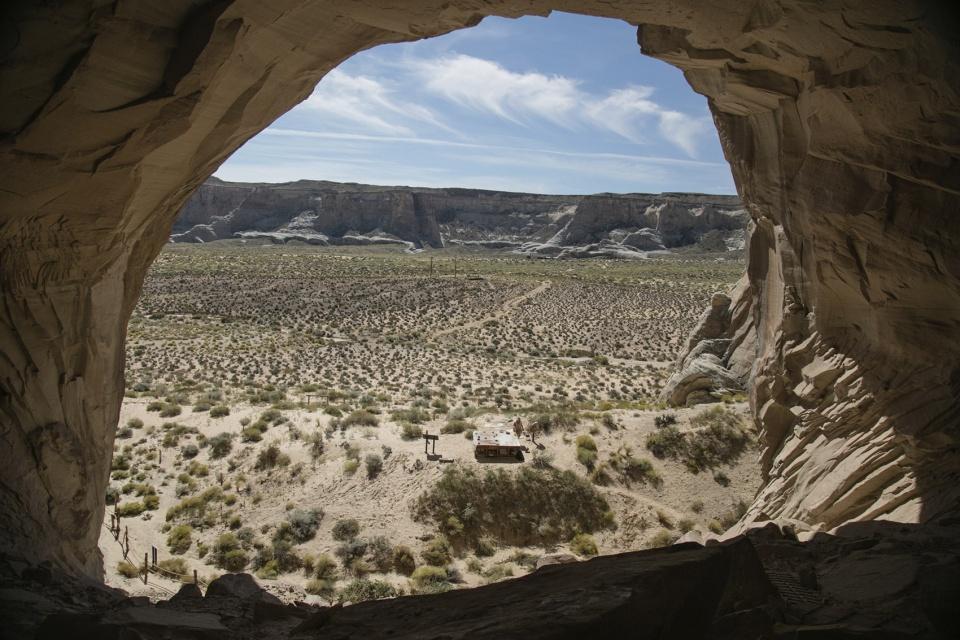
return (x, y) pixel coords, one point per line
(626, 111)
(367, 103)
(586, 155)
(486, 86)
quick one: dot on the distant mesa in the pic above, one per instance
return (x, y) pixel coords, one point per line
(629, 225)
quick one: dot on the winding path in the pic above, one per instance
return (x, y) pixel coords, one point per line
(506, 308)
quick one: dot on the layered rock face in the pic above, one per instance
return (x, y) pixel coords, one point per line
(332, 213)
(838, 118)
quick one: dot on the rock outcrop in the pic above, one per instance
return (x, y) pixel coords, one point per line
(874, 581)
(627, 225)
(838, 118)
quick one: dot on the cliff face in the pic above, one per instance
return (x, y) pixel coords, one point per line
(333, 213)
(839, 120)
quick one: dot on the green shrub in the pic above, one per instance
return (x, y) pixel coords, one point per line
(271, 457)
(269, 570)
(410, 431)
(374, 464)
(156, 405)
(437, 552)
(346, 529)
(720, 440)
(320, 587)
(325, 567)
(180, 538)
(362, 590)
(485, 547)
(175, 565)
(350, 466)
(662, 538)
(130, 509)
(415, 415)
(665, 420)
(219, 411)
(128, 569)
(135, 423)
(583, 544)
(668, 442)
(189, 451)
(380, 553)
(585, 442)
(235, 560)
(633, 469)
(251, 434)
(403, 561)
(361, 418)
(428, 575)
(304, 523)
(170, 410)
(546, 505)
(498, 572)
(151, 502)
(227, 553)
(198, 469)
(456, 425)
(220, 445)
(586, 451)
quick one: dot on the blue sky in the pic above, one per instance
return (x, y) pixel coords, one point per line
(565, 104)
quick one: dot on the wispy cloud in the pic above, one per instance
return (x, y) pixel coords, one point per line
(627, 111)
(485, 85)
(439, 142)
(367, 103)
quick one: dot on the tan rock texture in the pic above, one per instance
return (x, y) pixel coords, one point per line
(839, 119)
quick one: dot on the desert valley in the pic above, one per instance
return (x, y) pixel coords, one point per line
(278, 393)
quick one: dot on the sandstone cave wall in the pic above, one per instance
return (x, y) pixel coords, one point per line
(838, 118)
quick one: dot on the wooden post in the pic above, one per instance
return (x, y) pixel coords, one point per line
(195, 581)
(153, 552)
(126, 541)
(159, 455)
(146, 567)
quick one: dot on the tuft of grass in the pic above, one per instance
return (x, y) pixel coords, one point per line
(583, 544)
(128, 569)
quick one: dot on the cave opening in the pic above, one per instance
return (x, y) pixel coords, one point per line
(301, 334)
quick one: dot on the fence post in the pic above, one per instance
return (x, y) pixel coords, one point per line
(146, 567)
(195, 581)
(126, 541)
(153, 551)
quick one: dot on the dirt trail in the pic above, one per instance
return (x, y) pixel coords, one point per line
(506, 308)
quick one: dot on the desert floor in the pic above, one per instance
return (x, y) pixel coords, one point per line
(329, 362)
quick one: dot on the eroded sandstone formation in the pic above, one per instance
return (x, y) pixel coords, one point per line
(838, 118)
(325, 213)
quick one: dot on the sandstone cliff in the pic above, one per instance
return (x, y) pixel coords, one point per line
(332, 213)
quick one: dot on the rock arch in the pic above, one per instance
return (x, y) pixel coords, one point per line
(839, 119)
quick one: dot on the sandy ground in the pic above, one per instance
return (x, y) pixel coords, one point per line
(383, 505)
